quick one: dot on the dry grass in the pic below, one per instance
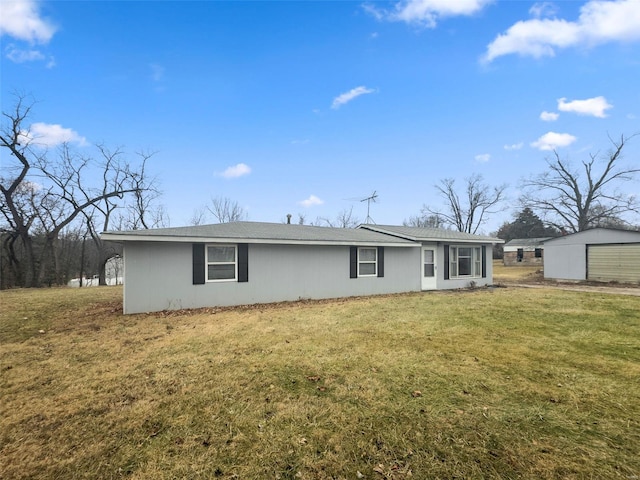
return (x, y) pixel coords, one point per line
(516, 273)
(513, 383)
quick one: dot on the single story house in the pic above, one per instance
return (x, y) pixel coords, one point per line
(242, 263)
(524, 251)
(600, 254)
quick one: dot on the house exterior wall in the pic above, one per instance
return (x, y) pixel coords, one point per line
(566, 257)
(528, 252)
(158, 276)
(528, 258)
(464, 282)
(510, 257)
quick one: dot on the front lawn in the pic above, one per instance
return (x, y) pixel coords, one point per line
(505, 383)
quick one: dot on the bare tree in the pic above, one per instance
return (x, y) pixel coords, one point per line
(576, 199)
(144, 211)
(44, 194)
(344, 219)
(18, 195)
(199, 216)
(469, 211)
(138, 213)
(424, 220)
(226, 210)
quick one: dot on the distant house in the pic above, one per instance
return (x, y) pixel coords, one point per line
(600, 254)
(113, 275)
(524, 251)
(251, 262)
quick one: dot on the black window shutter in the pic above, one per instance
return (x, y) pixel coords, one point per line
(484, 261)
(446, 262)
(243, 262)
(353, 262)
(381, 261)
(198, 264)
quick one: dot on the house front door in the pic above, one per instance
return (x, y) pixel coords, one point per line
(429, 267)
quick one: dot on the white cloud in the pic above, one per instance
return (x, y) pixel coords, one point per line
(549, 116)
(426, 13)
(19, 55)
(514, 146)
(50, 135)
(595, 106)
(30, 187)
(157, 72)
(311, 201)
(543, 9)
(599, 22)
(350, 95)
(236, 171)
(483, 158)
(21, 20)
(553, 140)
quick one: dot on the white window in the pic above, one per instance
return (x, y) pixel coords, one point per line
(367, 262)
(221, 262)
(465, 262)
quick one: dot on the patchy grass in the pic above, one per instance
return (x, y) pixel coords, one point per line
(516, 273)
(513, 383)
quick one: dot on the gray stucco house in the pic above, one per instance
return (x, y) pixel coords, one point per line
(600, 254)
(242, 263)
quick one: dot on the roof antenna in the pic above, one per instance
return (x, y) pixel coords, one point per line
(371, 198)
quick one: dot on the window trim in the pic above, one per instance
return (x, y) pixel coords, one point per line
(475, 261)
(207, 263)
(368, 262)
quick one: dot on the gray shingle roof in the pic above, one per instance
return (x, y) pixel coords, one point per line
(426, 234)
(259, 232)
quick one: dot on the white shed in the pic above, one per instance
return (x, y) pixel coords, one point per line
(600, 254)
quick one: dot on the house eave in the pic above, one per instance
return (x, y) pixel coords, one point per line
(121, 238)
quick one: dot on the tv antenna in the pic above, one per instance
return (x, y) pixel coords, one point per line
(371, 198)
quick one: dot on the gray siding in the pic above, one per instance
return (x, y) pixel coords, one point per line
(158, 276)
(568, 261)
(619, 263)
(566, 257)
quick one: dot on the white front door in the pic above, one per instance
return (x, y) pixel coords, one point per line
(429, 267)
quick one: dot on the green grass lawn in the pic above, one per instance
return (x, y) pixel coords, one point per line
(510, 383)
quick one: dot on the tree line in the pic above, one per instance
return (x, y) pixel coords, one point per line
(54, 204)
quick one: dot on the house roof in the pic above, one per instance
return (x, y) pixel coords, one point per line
(260, 232)
(527, 242)
(426, 234)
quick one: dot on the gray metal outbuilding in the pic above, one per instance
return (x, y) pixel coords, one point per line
(599, 254)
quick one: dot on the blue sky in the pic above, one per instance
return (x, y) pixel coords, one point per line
(302, 107)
